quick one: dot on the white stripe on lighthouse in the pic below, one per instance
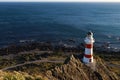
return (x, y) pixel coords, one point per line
(88, 51)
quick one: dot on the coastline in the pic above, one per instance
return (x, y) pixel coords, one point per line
(51, 46)
(37, 57)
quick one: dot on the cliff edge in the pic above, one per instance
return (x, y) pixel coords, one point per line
(74, 69)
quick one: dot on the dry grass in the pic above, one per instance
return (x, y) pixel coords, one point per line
(19, 76)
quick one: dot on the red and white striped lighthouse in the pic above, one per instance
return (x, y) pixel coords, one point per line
(88, 55)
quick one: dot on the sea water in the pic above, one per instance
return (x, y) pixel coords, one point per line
(59, 21)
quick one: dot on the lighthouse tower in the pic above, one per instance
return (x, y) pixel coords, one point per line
(88, 55)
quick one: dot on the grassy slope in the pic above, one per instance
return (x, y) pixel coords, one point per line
(34, 72)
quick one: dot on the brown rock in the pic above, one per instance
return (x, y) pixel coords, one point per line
(74, 69)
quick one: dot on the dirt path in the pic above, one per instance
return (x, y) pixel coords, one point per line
(37, 61)
(45, 60)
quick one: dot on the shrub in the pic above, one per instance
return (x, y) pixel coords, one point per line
(14, 76)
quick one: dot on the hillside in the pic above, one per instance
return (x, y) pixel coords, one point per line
(72, 69)
(43, 62)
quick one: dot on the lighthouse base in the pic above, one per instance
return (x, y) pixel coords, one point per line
(88, 60)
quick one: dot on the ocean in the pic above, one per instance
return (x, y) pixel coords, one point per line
(59, 21)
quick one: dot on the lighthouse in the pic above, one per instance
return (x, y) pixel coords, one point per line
(88, 55)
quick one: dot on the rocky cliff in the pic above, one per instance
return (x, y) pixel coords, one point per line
(75, 69)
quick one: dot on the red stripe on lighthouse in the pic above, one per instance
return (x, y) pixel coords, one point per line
(88, 56)
(89, 46)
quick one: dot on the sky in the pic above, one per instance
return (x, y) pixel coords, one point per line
(59, 0)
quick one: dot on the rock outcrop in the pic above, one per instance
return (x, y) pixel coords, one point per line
(75, 69)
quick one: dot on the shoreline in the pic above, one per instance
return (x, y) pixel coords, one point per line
(50, 46)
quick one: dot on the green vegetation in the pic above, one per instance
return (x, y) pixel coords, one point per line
(29, 56)
(34, 71)
(109, 56)
(19, 76)
(28, 71)
(36, 68)
(7, 63)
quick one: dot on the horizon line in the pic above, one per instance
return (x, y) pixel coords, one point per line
(69, 1)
